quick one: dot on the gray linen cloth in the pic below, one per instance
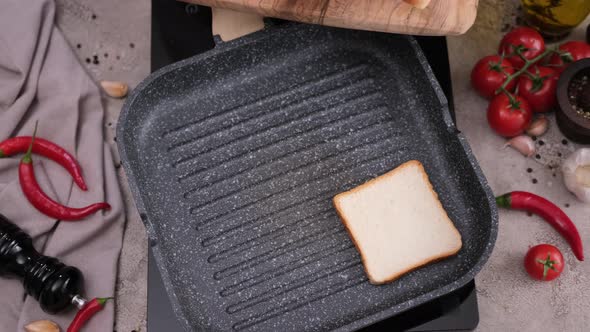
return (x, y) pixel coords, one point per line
(41, 79)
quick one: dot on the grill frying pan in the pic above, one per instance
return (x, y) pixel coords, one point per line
(233, 157)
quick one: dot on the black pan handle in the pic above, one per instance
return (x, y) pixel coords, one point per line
(52, 283)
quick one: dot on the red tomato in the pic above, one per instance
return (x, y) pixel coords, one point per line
(489, 74)
(575, 50)
(528, 40)
(540, 90)
(509, 118)
(544, 262)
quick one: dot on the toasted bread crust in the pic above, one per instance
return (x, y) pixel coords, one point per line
(336, 201)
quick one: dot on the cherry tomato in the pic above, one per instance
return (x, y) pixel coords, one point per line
(539, 88)
(509, 118)
(574, 50)
(544, 262)
(489, 74)
(527, 40)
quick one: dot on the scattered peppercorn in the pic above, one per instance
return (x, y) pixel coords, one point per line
(131, 45)
(538, 156)
(79, 45)
(529, 170)
(87, 60)
(541, 142)
(579, 95)
(535, 181)
(567, 205)
(559, 154)
(93, 16)
(534, 138)
(564, 142)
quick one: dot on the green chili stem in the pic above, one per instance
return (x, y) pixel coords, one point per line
(28, 156)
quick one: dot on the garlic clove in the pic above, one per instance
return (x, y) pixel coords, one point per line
(583, 175)
(576, 174)
(42, 326)
(523, 144)
(538, 127)
(115, 89)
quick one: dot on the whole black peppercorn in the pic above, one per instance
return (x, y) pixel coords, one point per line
(584, 98)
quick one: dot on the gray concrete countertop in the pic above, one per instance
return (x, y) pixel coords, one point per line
(118, 34)
(509, 300)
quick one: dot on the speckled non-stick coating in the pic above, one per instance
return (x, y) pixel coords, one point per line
(233, 157)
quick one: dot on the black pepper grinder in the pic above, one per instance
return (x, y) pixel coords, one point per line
(55, 285)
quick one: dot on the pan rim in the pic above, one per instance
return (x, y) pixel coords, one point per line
(123, 147)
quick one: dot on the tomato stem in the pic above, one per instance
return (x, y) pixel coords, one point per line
(547, 264)
(566, 57)
(529, 75)
(514, 104)
(527, 64)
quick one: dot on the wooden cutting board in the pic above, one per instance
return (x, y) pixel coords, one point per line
(441, 17)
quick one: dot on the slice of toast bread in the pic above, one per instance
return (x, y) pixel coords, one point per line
(397, 223)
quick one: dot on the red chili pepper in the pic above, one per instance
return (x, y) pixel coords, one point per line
(47, 149)
(43, 202)
(521, 200)
(87, 312)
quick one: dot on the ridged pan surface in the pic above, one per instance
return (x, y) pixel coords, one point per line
(234, 156)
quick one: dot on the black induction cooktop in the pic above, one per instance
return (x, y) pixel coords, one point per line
(182, 30)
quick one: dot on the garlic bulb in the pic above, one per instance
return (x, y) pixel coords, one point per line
(523, 144)
(576, 174)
